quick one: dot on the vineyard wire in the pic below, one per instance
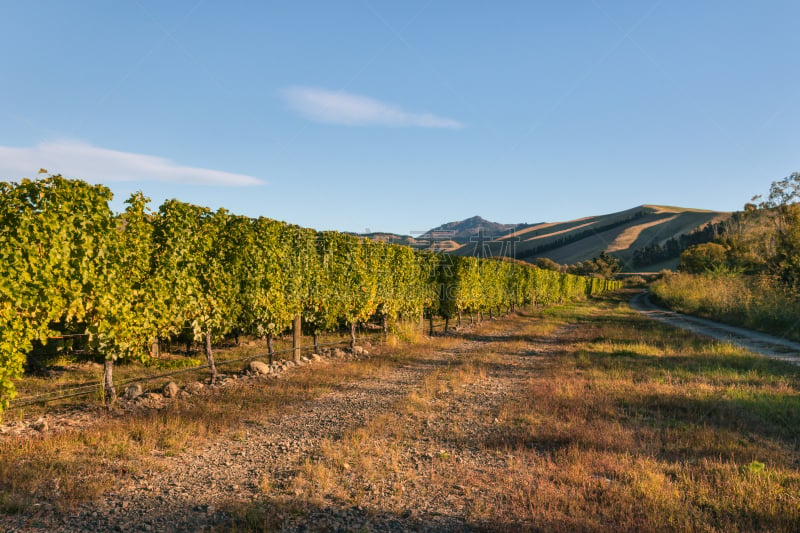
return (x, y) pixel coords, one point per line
(44, 398)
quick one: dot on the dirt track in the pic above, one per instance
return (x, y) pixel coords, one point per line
(760, 343)
(189, 492)
(186, 493)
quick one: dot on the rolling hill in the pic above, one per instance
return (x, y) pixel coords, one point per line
(622, 234)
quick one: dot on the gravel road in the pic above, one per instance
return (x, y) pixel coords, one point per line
(759, 343)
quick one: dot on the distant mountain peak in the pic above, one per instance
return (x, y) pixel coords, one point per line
(462, 231)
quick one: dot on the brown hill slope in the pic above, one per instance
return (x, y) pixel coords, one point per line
(621, 234)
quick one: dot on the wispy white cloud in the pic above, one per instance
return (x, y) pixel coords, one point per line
(336, 107)
(76, 159)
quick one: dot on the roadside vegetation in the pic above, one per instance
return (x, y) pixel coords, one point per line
(755, 302)
(751, 275)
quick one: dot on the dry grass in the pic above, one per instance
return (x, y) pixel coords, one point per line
(643, 428)
(625, 239)
(622, 423)
(629, 426)
(750, 301)
(66, 372)
(76, 466)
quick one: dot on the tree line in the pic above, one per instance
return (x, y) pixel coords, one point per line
(672, 248)
(762, 240)
(750, 275)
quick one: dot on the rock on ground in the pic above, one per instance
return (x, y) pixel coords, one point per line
(258, 367)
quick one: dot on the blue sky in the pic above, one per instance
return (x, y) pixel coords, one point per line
(399, 116)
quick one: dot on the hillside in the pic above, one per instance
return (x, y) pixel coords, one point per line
(621, 233)
(393, 238)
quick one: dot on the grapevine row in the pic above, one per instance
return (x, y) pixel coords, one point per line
(125, 279)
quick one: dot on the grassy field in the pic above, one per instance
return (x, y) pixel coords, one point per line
(626, 425)
(578, 417)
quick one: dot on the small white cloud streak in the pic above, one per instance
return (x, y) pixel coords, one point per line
(76, 159)
(334, 107)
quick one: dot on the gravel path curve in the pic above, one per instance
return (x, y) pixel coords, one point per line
(760, 343)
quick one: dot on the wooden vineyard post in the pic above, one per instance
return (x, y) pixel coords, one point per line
(297, 338)
(110, 395)
(210, 357)
(271, 347)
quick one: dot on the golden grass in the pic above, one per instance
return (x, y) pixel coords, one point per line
(624, 240)
(622, 424)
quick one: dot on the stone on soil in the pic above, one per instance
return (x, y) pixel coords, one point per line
(170, 390)
(132, 392)
(258, 367)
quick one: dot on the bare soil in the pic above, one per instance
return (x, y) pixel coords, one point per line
(192, 491)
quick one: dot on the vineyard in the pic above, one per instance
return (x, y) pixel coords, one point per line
(124, 280)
